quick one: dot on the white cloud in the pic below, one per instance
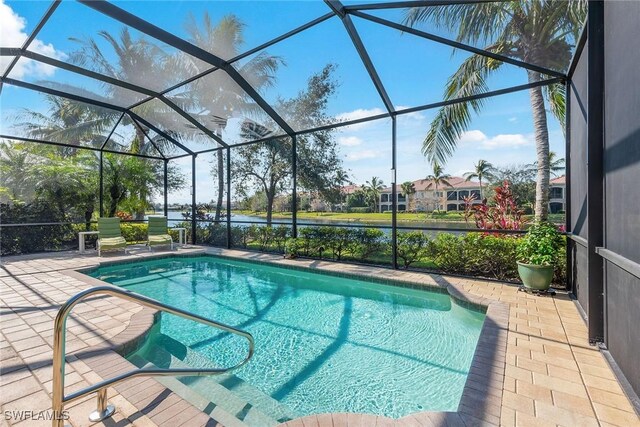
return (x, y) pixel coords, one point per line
(513, 119)
(355, 156)
(12, 34)
(416, 115)
(350, 141)
(360, 113)
(478, 139)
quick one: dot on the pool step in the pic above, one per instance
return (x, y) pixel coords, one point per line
(227, 398)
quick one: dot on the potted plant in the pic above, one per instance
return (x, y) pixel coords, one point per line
(537, 254)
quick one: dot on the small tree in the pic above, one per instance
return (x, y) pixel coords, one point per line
(372, 191)
(481, 170)
(408, 189)
(438, 178)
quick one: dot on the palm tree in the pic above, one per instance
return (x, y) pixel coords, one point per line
(136, 61)
(539, 32)
(372, 189)
(438, 178)
(408, 189)
(216, 95)
(482, 169)
(68, 122)
(555, 164)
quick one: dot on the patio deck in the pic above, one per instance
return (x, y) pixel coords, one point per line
(548, 375)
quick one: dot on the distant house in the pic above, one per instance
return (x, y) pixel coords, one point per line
(426, 199)
(557, 195)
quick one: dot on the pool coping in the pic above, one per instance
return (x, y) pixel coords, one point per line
(481, 398)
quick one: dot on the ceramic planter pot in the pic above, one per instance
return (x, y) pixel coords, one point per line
(536, 277)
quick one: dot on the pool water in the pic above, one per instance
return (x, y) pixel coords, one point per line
(323, 343)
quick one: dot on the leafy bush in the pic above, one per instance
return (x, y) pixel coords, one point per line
(541, 244)
(358, 209)
(214, 234)
(263, 238)
(294, 247)
(412, 246)
(134, 232)
(476, 254)
(368, 242)
(36, 238)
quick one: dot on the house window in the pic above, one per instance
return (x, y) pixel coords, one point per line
(452, 195)
(555, 193)
(384, 198)
(462, 194)
(402, 208)
(402, 198)
(452, 207)
(475, 193)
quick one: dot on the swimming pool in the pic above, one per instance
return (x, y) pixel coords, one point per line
(323, 343)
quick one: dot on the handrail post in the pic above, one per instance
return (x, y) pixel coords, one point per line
(58, 367)
(103, 410)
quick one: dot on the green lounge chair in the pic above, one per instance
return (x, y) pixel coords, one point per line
(157, 233)
(109, 237)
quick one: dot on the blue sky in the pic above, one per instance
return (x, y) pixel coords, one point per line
(413, 70)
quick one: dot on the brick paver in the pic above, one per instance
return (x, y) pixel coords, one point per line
(537, 367)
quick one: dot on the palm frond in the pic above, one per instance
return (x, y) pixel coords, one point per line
(452, 120)
(555, 95)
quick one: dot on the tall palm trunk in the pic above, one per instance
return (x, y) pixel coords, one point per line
(220, 185)
(542, 148)
(480, 182)
(220, 158)
(137, 147)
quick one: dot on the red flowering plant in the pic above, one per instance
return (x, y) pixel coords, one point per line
(502, 214)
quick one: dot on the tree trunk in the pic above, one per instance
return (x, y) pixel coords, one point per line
(542, 148)
(138, 147)
(87, 219)
(270, 199)
(480, 182)
(220, 186)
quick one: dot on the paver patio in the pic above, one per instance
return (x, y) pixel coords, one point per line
(548, 375)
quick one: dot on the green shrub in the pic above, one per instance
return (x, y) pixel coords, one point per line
(475, 254)
(367, 241)
(340, 241)
(294, 247)
(214, 234)
(239, 236)
(134, 232)
(280, 234)
(412, 246)
(357, 209)
(35, 238)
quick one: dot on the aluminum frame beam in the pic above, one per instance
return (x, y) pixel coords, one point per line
(416, 3)
(458, 45)
(338, 10)
(80, 147)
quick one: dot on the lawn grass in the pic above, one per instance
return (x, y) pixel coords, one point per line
(377, 217)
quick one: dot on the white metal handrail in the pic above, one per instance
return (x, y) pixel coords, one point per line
(104, 410)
